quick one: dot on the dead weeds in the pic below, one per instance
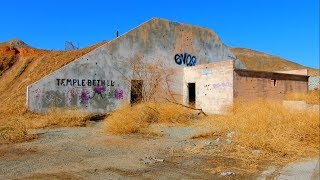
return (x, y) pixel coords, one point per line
(136, 119)
(264, 133)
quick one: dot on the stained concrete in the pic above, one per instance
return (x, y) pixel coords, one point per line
(214, 85)
(301, 170)
(160, 42)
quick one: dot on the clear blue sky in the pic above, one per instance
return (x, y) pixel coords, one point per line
(285, 28)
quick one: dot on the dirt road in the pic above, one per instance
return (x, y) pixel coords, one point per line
(90, 153)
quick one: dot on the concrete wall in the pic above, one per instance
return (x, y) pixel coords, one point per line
(214, 85)
(314, 82)
(169, 45)
(251, 85)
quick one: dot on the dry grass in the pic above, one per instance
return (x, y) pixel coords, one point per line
(13, 130)
(58, 118)
(279, 134)
(135, 119)
(312, 97)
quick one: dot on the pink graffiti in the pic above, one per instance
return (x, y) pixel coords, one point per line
(218, 85)
(72, 93)
(38, 92)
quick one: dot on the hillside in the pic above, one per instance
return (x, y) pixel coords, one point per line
(21, 66)
(259, 61)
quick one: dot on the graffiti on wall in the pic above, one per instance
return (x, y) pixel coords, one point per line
(185, 59)
(84, 82)
(75, 92)
(218, 85)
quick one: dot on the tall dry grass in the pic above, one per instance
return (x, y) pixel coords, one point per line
(275, 131)
(136, 119)
(58, 118)
(312, 97)
(14, 130)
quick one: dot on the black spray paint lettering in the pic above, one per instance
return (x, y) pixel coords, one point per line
(186, 59)
(84, 82)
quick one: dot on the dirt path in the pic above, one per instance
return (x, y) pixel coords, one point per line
(87, 152)
(90, 153)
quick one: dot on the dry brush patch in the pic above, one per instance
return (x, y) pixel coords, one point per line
(58, 118)
(14, 130)
(265, 132)
(312, 97)
(137, 118)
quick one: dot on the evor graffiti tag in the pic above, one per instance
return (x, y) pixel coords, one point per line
(185, 59)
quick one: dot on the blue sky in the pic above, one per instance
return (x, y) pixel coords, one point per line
(285, 28)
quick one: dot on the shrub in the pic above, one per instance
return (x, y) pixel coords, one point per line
(269, 127)
(312, 97)
(135, 119)
(13, 131)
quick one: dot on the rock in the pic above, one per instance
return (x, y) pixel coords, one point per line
(151, 160)
(228, 141)
(227, 173)
(231, 134)
(255, 152)
(208, 143)
(267, 172)
(241, 147)
(217, 140)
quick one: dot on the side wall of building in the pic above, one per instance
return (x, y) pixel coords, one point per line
(213, 86)
(251, 85)
(91, 83)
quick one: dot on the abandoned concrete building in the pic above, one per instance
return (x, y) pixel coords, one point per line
(161, 60)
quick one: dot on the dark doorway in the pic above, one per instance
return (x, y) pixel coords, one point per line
(136, 91)
(192, 94)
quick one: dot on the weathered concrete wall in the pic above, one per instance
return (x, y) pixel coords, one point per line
(251, 85)
(214, 86)
(314, 82)
(91, 83)
(100, 81)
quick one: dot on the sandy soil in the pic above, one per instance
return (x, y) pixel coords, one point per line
(90, 153)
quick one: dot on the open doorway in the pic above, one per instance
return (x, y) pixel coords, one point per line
(136, 91)
(192, 94)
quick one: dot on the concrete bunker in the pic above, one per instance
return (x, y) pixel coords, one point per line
(157, 60)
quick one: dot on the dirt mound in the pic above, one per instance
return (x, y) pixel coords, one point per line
(15, 43)
(20, 67)
(260, 61)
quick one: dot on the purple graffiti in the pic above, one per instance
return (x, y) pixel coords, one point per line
(99, 89)
(118, 94)
(84, 97)
(218, 85)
